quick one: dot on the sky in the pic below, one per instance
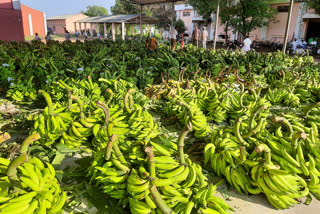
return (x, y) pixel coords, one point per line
(64, 7)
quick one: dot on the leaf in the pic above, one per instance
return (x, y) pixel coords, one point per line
(58, 159)
(64, 149)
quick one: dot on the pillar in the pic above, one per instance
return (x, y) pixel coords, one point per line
(288, 27)
(80, 27)
(75, 27)
(141, 33)
(132, 29)
(123, 31)
(216, 26)
(91, 29)
(105, 30)
(113, 31)
(85, 26)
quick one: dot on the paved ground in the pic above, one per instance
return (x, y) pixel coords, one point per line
(258, 204)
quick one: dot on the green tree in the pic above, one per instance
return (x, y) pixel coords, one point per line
(242, 15)
(95, 10)
(315, 4)
(181, 27)
(125, 7)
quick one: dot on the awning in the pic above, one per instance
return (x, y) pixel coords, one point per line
(311, 16)
(145, 2)
(128, 19)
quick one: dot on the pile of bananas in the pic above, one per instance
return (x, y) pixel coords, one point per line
(28, 185)
(147, 172)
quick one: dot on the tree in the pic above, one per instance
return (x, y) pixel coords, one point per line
(181, 28)
(95, 10)
(315, 4)
(242, 15)
(125, 7)
(249, 15)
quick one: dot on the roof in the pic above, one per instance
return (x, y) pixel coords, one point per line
(130, 18)
(311, 16)
(144, 2)
(62, 17)
(182, 7)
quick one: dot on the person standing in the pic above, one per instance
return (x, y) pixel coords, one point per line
(294, 45)
(205, 37)
(37, 37)
(67, 36)
(247, 44)
(196, 36)
(48, 37)
(173, 37)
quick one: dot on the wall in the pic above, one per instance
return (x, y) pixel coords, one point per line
(72, 19)
(57, 25)
(187, 20)
(277, 30)
(10, 22)
(37, 21)
(6, 4)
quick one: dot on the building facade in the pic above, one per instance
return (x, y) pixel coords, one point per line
(59, 24)
(304, 23)
(18, 21)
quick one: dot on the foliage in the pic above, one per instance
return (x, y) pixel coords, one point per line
(94, 10)
(125, 7)
(243, 15)
(315, 4)
(181, 27)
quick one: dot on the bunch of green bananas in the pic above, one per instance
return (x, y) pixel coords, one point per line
(281, 187)
(28, 186)
(276, 95)
(53, 122)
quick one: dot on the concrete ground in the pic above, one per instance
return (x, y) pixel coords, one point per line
(258, 204)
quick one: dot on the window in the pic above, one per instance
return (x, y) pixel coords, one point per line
(283, 9)
(186, 14)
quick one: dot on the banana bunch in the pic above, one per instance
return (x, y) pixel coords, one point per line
(140, 121)
(28, 185)
(281, 187)
(218, 106)
(53, 122)
(15, 95)
(192, 113)
(276, 95)
(110, 173)
(291, 99)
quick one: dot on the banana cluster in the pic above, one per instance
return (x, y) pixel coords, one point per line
(28, 185)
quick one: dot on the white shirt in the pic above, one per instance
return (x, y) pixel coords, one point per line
(294, 44)
(173, 34)
(313, 43)
(247, 44)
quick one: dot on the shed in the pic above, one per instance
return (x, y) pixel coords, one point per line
(118, 19)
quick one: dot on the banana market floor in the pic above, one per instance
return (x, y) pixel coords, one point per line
(258, 204)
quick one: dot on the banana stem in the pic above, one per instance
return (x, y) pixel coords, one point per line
(12, 168)
(243, 155)
(110, 92)
(295, 140)
(255, 113)
(267, 152)
(285, 122)
(181, 138)
(310, 107)
(152, 164)
(80, 103)
(105, 110)
(25, 144)
(241, 98)
(119, 153)
(4, 137)
(161, 204)
(109, 148)
(126, 100)
(256, 129)
(48, 100)
(237, 132)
